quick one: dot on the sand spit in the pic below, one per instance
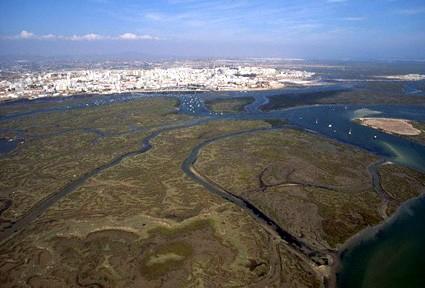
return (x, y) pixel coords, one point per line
(391, 125)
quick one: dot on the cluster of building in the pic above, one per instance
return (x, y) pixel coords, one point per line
(105, 81)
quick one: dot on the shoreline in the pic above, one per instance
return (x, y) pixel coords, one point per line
(367, 234)
(165, 91)
(397, 126)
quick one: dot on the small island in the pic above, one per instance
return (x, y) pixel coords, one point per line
(391, 125)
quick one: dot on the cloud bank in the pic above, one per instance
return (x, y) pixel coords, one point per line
(26, 35)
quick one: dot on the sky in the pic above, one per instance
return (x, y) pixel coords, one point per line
(308, 29)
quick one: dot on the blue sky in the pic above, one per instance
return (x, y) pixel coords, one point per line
(260, 28)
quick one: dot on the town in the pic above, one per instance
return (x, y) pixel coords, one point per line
(33, 85)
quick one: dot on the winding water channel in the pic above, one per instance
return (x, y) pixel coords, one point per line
(318, 257)
(360, 259)
(40, 207)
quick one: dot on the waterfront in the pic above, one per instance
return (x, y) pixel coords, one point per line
(391, 256)
(332, 121)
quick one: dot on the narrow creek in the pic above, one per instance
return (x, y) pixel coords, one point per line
(40, 207)
(404, 229)
(317, 257)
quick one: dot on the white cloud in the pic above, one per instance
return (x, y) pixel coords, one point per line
(128, 36)
(24, 35)
(48, 36)
(86, 37)
(132, 36)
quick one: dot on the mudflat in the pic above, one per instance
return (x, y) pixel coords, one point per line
(391, 125)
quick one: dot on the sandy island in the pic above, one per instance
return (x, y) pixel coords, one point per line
(391, 125)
